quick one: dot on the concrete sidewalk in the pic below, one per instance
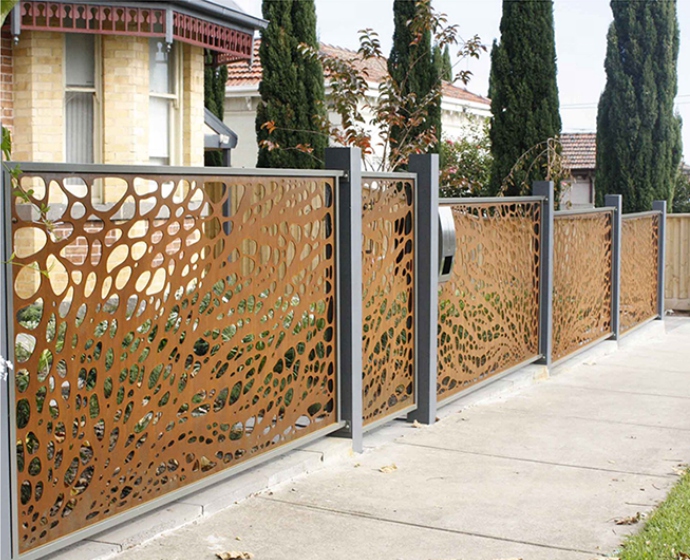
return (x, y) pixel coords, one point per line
(539, 474)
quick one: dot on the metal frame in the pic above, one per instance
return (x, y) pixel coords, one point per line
(582, 349)
(9, 536)
(580, 211)
(493, 200)
(349, 278)
(634, 215)
(401, 414)
(638, 326)
(615, 201)
(660, 206)
(426, 169)
(545, 190)
(408, 410)
(7, 467)
(387, 176)
(492, 379)
(108, 170)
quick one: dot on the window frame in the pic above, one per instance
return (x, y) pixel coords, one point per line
(174, 100)
(96, 90)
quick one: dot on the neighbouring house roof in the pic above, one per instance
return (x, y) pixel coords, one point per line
(219, 25)
(580, 149)
(242, 75)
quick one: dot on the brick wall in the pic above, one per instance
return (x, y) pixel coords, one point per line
(125, 100)
(193, 105)
(38, 97)
(6, 81)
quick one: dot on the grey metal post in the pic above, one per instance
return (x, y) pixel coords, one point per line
(349, 229)
(545, 189)
(616, 201)
(16, 22)
(426, 307)
(660, 205)
(6, 498)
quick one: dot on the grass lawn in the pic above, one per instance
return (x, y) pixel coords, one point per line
(666, 535)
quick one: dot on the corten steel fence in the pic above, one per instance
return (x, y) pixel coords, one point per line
(489, 308)
(639, 269)
(582, 294)
(388, 295)
(169, 328)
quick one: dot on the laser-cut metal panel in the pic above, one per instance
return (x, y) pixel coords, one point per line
(639, 269)
(582, 280)
(184, 326)
(388, 297)
(489, 309)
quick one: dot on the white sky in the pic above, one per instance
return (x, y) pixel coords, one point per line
(581, 27)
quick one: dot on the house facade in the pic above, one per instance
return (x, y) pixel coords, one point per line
(462, 110)
(113, 82)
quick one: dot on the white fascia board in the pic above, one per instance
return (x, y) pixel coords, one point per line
(242, 91)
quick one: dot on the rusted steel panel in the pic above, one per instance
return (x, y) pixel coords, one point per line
(639, 269)
(489, 309)
(184, 324)
(388, 297)
(582, 280)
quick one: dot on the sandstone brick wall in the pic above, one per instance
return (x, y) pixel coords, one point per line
(6, 81)
(38, 97)
(193, 106)
(125, 100)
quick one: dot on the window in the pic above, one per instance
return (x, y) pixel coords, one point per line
(163, 102)
(81, 83)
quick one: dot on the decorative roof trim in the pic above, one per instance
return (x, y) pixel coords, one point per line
(139, 20)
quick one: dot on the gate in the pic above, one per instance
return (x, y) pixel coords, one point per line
(639, 268)
(489, 309)
(167, 328)
(582, 281)
(388, 296)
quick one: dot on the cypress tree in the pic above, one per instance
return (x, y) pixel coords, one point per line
(214, 100)
(412, 67)
(523, 91)
(638, 135)
(291, 88)
(447, 67)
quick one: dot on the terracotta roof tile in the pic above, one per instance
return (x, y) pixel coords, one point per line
(240, 74)
(580, 149)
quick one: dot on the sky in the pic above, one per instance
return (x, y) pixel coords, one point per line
(581, 27)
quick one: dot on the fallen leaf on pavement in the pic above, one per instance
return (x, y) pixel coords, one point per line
(233, 555)
(416, 424)
(629, 520)
(388, 468)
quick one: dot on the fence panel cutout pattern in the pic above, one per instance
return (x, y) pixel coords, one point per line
(388, 296)
(581, 281)
(639, 269)
(489, 309)
(183, 327)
